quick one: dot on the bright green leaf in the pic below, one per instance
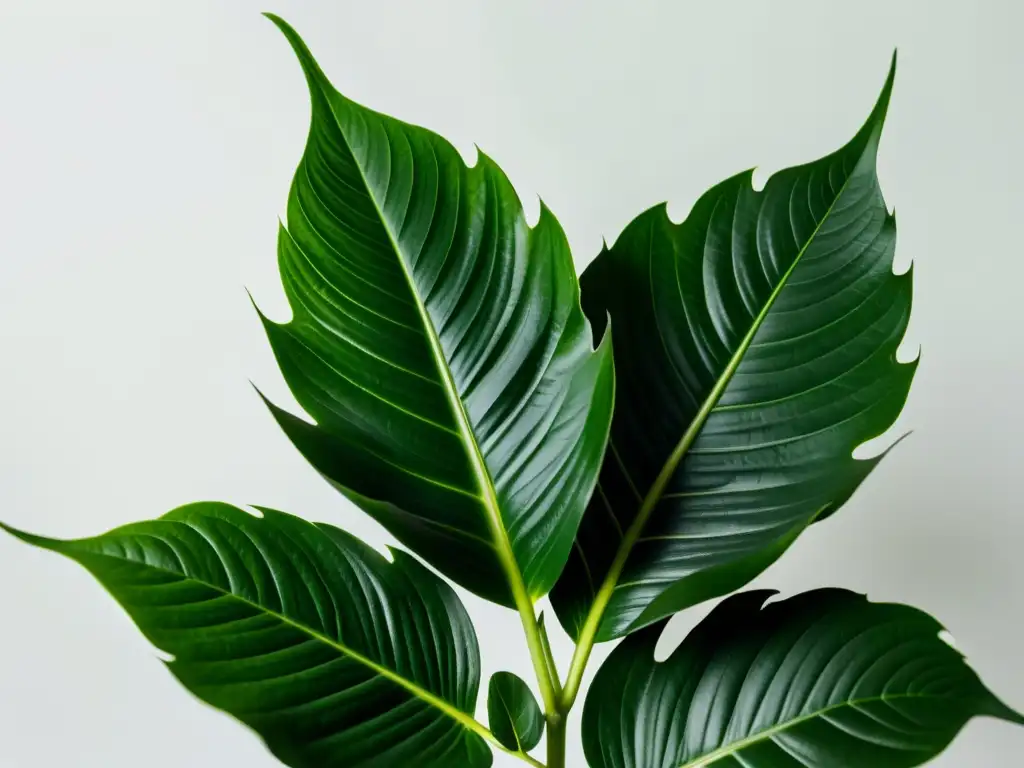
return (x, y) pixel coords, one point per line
(315, 641)
(439, 344)
(755, 350)
(823, 680)
(513, 713)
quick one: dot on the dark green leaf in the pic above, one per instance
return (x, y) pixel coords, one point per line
(823, 680)
(755, 350)
(331, 653)
(513, 713)
(439, 344)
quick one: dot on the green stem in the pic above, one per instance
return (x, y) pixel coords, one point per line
(549, 658)
(556, 741)
(535, 642)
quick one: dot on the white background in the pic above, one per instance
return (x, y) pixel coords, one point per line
(146, 150)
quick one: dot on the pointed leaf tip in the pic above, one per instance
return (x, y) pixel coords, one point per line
(264, 398)
(252, 299)
(30, 538)
(890, 79)
(866, 139)
(881, 110)
(314, 75)
(278, 21)
(1001, 711)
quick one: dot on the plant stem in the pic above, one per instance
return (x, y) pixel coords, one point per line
(550, 688)
(549, 658)
(556, 741)
(535, 642)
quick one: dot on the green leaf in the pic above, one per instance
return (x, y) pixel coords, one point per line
(755, 350)
(823, 680)
(439, 344)
(513, 713)
(329, 652)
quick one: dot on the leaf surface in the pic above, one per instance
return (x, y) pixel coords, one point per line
(823, 680)
(513, 713)
(755, 350)
(439, 344)
(333, 655)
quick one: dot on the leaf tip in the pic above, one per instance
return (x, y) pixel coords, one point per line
(268, 324)
(993, 707)
(280, 23)
(264, 398)
(30, 538)
(866, 140)
(882, 105)
(314, 75)
(546, 214)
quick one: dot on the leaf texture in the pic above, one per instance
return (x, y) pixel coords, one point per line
(440, 346)
(755, 350)
(513, 713)
(823, 680)
(333, 655)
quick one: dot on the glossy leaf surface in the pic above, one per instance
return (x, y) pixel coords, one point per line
(439, 344)
(329, 652)
(755, 350)
(513, 713)
(823, 680)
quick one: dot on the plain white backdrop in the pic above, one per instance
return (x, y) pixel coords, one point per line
(146, 150)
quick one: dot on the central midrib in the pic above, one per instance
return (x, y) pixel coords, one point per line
(769, 733)
(512, 720)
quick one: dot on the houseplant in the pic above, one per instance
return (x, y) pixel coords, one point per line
(459, 399)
